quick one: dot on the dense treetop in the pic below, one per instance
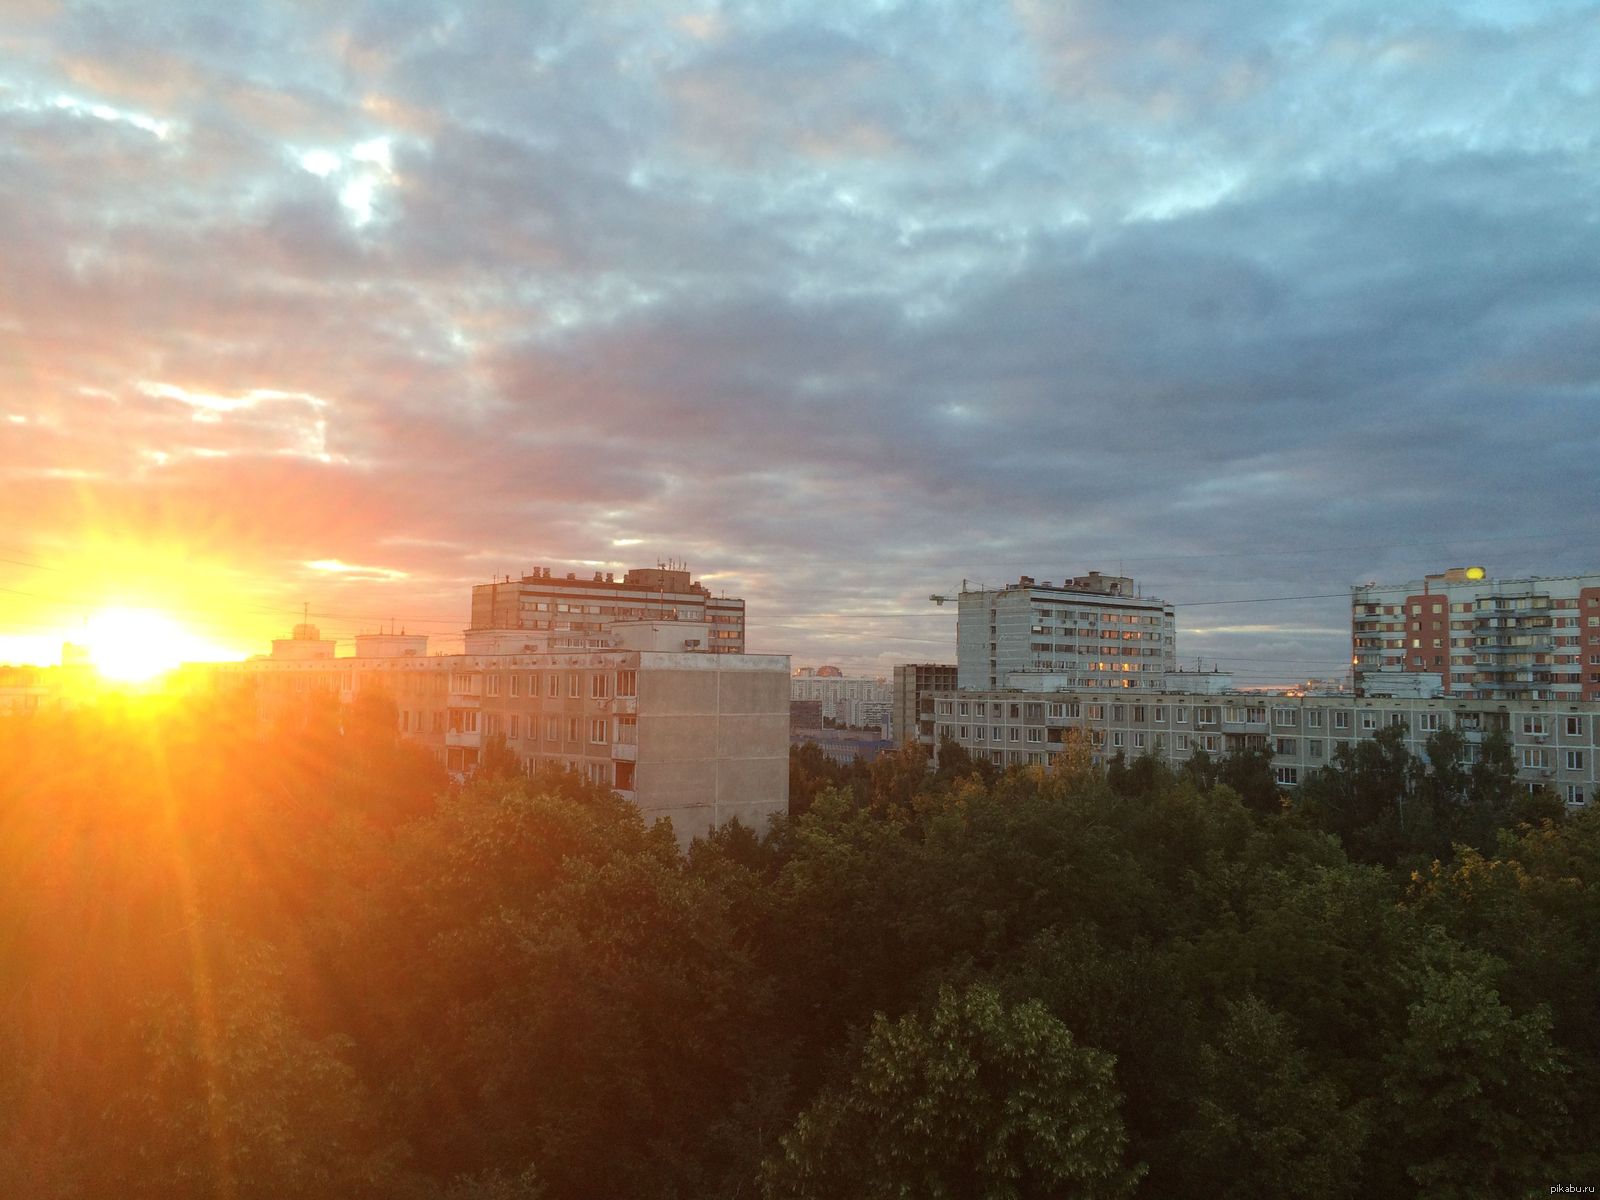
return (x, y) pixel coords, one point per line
(299, 962)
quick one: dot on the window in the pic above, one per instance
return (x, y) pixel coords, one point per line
(1314, 718)
(1159, 713)
(532, 727)
(1138, 739)
(599, 731)
(552, 727)
(1205, 716)
(1181, 741)
(574, 732)
(1397, 719)
(1287, 776)
(1575, 793)
(1180, 714)
(515, 682)
(963, 733)
(600, 773)
(553, 686)
(1431, 722)
(1285, 746)
(599, 686)
(574, 685)
(1533, 725)
(1036, 735)
(1574, 760)
(1283, 718)
(1341, 720)
(1369, 720)
(1014, 733)
(512, 725)
(1313, 747)
(1533, 758)
(494, 684)
(1574, 726)
(1116, 739)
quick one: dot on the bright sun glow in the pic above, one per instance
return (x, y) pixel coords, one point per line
(134, 645)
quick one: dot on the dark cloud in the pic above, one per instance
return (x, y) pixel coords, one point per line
(1246, 301)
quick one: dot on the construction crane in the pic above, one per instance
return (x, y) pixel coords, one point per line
(940, 600)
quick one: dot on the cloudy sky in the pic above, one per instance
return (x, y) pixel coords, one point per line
(844, 304)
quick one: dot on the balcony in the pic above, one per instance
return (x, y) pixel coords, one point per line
(624, 752)
(463, 737)
(463, 700)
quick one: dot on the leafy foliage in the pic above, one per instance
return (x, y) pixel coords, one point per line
(297, 962)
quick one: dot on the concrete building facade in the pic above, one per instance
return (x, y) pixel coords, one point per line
(1091, 631)
(695, 737)
(1534, 638)
(575, 613)
(914, 685)
(1554, 743)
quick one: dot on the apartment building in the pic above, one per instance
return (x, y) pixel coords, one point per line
(695, 737)
(1555, 743)
(1534, 638)
(1090, 631)
(574, 613)
(857, 702)
(914, 685)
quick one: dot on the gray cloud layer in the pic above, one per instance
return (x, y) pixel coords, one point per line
(842, 306)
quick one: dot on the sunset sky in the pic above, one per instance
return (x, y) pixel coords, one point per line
(357, 305)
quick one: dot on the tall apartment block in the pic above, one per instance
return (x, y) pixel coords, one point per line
(1534, 638)
(574, 613)
(1091, 631)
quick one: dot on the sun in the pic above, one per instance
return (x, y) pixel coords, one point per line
(135, 645)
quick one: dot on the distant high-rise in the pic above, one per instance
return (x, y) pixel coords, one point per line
(575, 613)
(1534, 638)
(1090, 631)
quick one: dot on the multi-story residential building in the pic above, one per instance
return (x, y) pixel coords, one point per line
(914, 685)
(1554, 743)
(859, 703)
(1532, 638)
(1092, 631)
(695, 737)
(574, 613)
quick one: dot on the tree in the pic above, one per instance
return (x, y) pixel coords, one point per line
(974, 1100)
(1266, 1124)
(955, 761)
(1474, 1092)
(499, 761)
(1367, 796)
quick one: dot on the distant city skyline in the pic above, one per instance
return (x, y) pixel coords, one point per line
(359, 306)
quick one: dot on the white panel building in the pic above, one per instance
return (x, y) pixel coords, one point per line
(1091, 631)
